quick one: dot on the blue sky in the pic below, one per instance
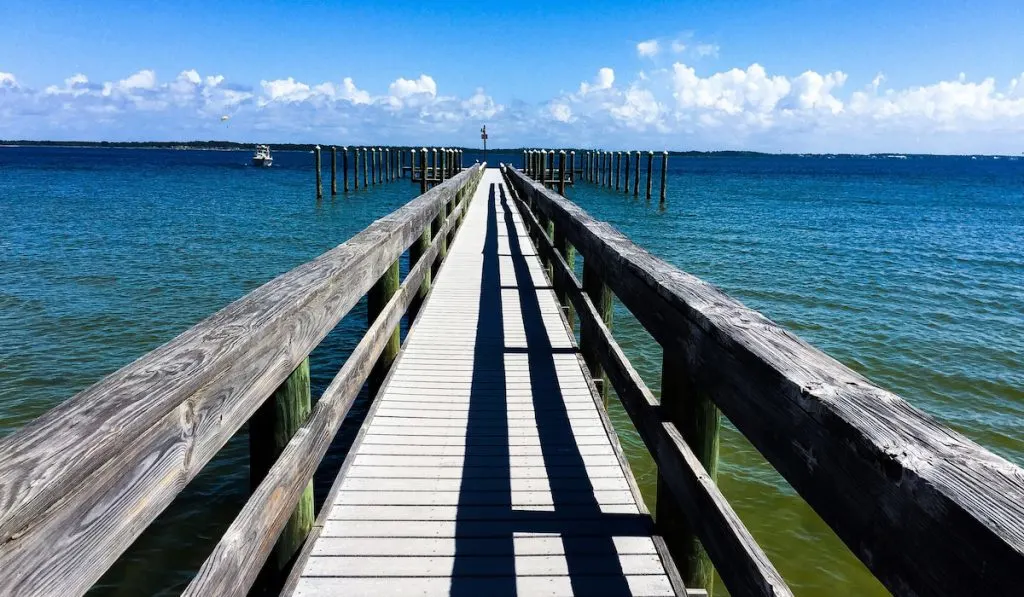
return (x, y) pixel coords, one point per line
(936, 76)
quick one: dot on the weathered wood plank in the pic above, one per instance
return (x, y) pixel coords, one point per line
(485, 546)
(490, 513)
(743, 565)
(399, 568)
(534, 586)
(890, 468)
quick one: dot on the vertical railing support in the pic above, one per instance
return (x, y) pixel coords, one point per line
(699, 421)
(378, 297)
(334, 170)
(568, 252)
(416, 252)
(601, 295)
(317, 165)
(270, 428)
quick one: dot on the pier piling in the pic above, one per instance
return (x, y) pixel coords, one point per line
(316, 164)
(650, 166)
(270, 429)
(561, 172)
(344, 167)
(334, 170)
(618, 160)
(664, 176)
(625, 177)
(423, 170)
(366, 167)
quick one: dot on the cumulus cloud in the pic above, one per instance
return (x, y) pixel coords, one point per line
(681, 106)
(647, 48)
(604, 80)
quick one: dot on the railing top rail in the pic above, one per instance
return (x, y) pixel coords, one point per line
(124, 447)
(928, 510)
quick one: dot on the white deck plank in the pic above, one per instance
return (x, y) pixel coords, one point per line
(486, 468)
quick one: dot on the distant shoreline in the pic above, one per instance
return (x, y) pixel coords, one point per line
(234, 146)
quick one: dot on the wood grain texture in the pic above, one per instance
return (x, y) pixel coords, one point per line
(235, 561)
(926, 509)
(80, 483)
(741, 563)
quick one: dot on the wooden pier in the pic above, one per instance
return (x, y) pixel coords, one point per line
(487, 463)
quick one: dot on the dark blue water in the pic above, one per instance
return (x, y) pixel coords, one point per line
(911, 271)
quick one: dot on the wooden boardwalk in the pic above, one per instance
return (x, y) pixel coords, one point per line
(486, 466)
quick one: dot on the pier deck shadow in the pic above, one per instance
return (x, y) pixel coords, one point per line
(486, 467)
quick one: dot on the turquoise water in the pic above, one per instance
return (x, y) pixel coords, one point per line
(910, 271)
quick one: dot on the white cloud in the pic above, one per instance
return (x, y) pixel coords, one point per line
(677, 107)
(678, 47)
(648, 48)
(403, 88)
(706, 50)
(604, 80)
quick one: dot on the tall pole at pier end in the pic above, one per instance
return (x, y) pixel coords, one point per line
(483, 136)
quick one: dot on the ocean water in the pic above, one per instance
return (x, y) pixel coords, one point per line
(910, 271)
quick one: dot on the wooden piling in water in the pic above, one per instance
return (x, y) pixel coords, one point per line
(551, 167)
(664, 176)
(344, 168)
(423, 170)
(636, 175)
(650, 166)
(561, 172)
(366, 167)
(334, 170)
(625, 176)
(316, 164)
(572, 167)
(373, 166)
(380, 165)
(355, 168)
(618, 161)
(699, 422)
(433, 164)
(270, 429)
(376, 299)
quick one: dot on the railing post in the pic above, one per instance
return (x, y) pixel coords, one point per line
(636, 175)
(376, 300)
(698, 421)
(650, 166)
(416, 252)
(601, 296)
(316, 164)
(334, 170)
(344, 167)
(561, 172)
(423, 170)
(270, 428)
(568, 253)
(664, 176)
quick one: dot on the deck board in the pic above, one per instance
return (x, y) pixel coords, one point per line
(486, 467)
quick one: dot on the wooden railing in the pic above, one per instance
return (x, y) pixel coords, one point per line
(928, 511)
(80, 483)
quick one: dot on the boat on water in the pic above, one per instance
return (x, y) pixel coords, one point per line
(262, 156)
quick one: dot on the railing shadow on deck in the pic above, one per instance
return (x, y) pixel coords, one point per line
(83, 481)
(487, 518)
(928, 511)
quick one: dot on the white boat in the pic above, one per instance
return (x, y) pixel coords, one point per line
(262, 156)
